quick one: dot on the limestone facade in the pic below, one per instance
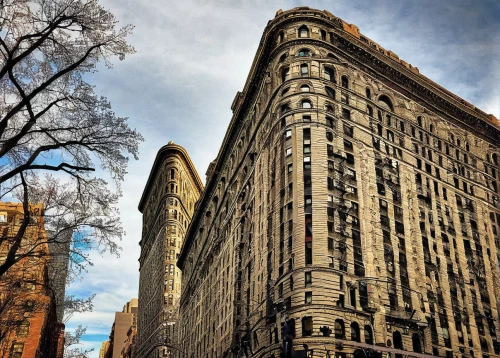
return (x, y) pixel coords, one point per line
(353, 209)
(167, 205)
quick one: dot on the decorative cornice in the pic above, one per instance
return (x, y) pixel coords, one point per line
(163, 154)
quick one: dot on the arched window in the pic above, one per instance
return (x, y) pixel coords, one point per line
(431, 128)
(355, 332)
(330, 92)
(415, 340)
(398, 340)
(281, 37)
(322, 34)
(303, 31)
(306, 104)
(345, 82)
(328, 74)
(379, 115)
(339, 329)
(171, 271)
(385, 102)
(458, 142)
(304, 70)
(368, 335)
(285, 91)
(370, 111)
(304, 88)
(419, 120)
(368, 93)
(329, 136)
(170, 299)
(495, 158)
(23, 328)
(304, 52)
(285, 74)
(283, 57)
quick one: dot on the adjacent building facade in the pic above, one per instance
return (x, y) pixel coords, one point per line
(353, 209)
(29, 326)
(120, 342)
(167, 205)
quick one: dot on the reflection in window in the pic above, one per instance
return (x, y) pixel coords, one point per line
(304, 70)
(304, 52)
(306, 104)
(303, 31)
(304, 88)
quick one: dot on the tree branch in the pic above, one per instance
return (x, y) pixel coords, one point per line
(11, 256)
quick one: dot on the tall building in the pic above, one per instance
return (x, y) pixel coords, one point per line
(28, 318)
(167, 204)
(118, 338)
(352, 209)
(59, 247)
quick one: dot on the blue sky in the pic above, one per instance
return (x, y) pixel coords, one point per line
(193, 56)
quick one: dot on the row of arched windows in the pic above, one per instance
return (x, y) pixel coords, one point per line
(339, 332)
(303, 32)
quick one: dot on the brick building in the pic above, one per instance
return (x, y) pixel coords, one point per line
(352, 209)
(28, 319)
(167, 204)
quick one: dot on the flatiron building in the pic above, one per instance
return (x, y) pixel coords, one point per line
(353, 209)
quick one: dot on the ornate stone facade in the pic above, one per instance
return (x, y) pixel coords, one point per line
(352, 209)
(167, 205)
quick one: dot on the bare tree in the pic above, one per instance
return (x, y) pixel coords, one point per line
(58, 139)
(51, 121)
(73, 339)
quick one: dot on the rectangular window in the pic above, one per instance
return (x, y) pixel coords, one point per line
(348, 145)
(346, 114)
(288, 134)
(304, 70)
(308, 297)
(290, 168)
(308, 249)
(288, 152)
(307, 326)
(17, 350)
(308, 278)
(348, 130)
(352, 294)
(329, 150)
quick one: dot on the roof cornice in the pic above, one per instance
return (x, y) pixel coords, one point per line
(161, 156)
